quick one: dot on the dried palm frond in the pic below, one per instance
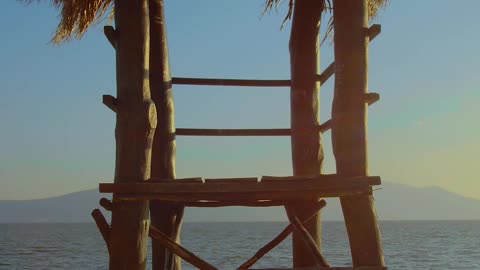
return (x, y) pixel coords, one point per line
(76, 16)
(374, 7)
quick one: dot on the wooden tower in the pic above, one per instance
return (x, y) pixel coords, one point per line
(145, 180)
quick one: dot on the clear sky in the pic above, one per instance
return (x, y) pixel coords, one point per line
(56, 136)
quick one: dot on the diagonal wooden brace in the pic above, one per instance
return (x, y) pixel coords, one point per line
(279, 238)
(179, 250)
(306, 237)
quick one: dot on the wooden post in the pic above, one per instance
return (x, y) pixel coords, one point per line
(349, 128)
(307, 152)
(165, 217)
(136, 122)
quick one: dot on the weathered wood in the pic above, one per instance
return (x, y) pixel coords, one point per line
(278, 239)
(232, 132)
(136, 122)
(306, 237)
(111, 35)
(311, 189)
(371, 98)
(235, 203)
(329, 268)
(312, 183)
(102, 226)
(182, 252)
(374, 31)
(349, 130)
(164, 217)
(231, 82)
(106, 203)
(183, 198)
(306, 143)
(110, 102)
(231, 180)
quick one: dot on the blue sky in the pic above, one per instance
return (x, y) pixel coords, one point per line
(57, 137)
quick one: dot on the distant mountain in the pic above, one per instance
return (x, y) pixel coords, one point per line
(393, 202)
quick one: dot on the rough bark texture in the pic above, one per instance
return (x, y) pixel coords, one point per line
(307, 152)
(165, 217)
(136, 122)
(349, 130)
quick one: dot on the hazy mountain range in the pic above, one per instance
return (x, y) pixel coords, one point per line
(393, 202)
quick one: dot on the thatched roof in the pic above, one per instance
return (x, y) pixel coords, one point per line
(78, 15)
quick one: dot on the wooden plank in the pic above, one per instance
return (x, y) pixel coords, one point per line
(235, 203)
(311, 189)
(319, 183)
(231, 180)
(349, 132)
(180, 251)
(303, 195)
(278, 239)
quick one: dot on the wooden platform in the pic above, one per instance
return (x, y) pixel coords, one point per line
(268, 190)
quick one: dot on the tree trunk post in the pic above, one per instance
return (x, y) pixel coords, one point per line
(164, 217)
(349, 128)
(307, 151)
(136, 122)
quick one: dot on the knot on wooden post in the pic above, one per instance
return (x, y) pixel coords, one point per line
(371, 98)
(111, 102)
(106, 203)
(111, 35)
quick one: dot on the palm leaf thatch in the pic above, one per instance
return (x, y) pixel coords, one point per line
(374, 7)
(78, 15)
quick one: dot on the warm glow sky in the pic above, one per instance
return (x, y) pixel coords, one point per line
(56, 136)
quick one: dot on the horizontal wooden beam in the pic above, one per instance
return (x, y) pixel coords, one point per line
(373, 32)
(243, 132)
(231, 82)
(235, 203)
(307, 188)
(180, 251)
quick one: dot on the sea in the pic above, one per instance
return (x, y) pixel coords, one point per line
(407, 245)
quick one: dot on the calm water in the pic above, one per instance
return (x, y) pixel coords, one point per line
(407, 244)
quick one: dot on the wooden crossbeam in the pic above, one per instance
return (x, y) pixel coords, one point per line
(370, 98)
(293, 188)
(372, 32)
